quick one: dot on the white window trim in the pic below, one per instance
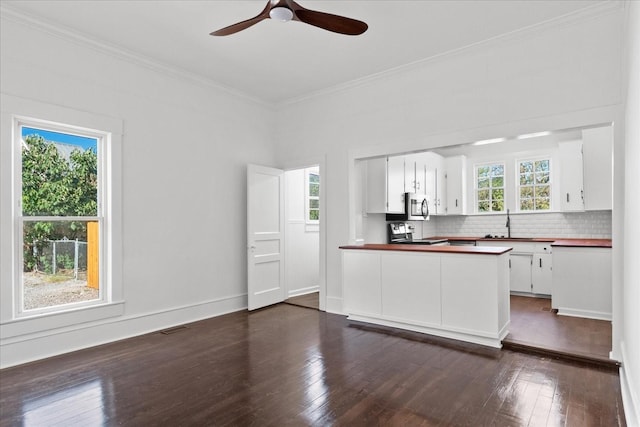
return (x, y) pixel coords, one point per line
(536, 158)
(15, 109)
(308, 197)
(475, 186)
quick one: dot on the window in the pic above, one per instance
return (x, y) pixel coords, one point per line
(20, 118)
(59, 219)
(489, 189)
(534, 185)
(313, 195)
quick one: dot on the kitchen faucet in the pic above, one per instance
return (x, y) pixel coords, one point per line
(508, 225)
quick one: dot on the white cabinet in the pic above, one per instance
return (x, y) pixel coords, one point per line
(520, 272)
(395, 184)
(530, 266)
(414, 173)
(582, 282)
(571, 176)
(411, 287)
(456, 183)
(441, 189)
(597, 147)
(435, 183)
(453, 295)
(541, 274)
(361, 270)
(376, 191)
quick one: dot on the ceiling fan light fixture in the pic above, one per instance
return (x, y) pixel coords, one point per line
(282, 14)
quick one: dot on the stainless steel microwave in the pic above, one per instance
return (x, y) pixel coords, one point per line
(416, 208)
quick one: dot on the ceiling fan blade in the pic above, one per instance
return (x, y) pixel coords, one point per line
(330, 22)
(231, 29)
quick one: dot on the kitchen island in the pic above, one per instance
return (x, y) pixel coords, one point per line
(459, 292)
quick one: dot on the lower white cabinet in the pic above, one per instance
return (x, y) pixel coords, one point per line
(530, 266)
(542, 274)
(520, 272)
(361, 270)
(407, 274)
(582, 282)
(459, 296)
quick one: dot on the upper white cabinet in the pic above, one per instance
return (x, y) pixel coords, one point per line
(597, 148)
(456, 182)
(414, 173)
(395, 184)
(435, 183)
(571, 176)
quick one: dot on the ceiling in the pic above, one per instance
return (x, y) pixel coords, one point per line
(278, 62)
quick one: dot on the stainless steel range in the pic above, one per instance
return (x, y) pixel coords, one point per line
(401, 232)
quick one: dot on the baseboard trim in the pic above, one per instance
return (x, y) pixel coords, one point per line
(630, 399)
(35, 347)
(587, 314)
(303, 291)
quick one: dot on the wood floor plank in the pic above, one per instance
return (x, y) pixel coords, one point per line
(291, 366)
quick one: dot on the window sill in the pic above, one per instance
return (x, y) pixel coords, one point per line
(61, 319)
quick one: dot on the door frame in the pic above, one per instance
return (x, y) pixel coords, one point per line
(320, 162)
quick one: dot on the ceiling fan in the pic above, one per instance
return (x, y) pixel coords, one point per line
(289, 10)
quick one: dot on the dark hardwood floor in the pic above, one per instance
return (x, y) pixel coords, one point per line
(291, 366)
(535, 326)
(311, 300)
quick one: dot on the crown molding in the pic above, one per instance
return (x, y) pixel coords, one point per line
(73, 36)
(10, 13)
(590, 12)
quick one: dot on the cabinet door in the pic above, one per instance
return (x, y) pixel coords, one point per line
(409, 175)
(441, 190)
(597, 147)
(430, 189)
(395, 184)
(520, 272)
(455, 168)
(571, 176)
(376, 201)
(541, 274)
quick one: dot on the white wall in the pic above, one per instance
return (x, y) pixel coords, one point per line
(552, 77)
(630, 372)
(302, 252)
(185, 150)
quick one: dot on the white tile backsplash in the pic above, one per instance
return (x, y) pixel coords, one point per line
(592, 224)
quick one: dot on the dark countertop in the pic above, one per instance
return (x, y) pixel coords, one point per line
(481, 250)
(558, 242)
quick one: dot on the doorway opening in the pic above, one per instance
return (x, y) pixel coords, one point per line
(302, 236)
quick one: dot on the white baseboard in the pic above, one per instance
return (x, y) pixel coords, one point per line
(630, 396)
(33, 347)
(303, 291)
(598, 315)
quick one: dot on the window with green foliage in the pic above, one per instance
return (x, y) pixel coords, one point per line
(59, 219)
(534, 185)
(489, 180)
(313, 195)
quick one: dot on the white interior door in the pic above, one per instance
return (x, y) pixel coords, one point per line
(265, 236)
